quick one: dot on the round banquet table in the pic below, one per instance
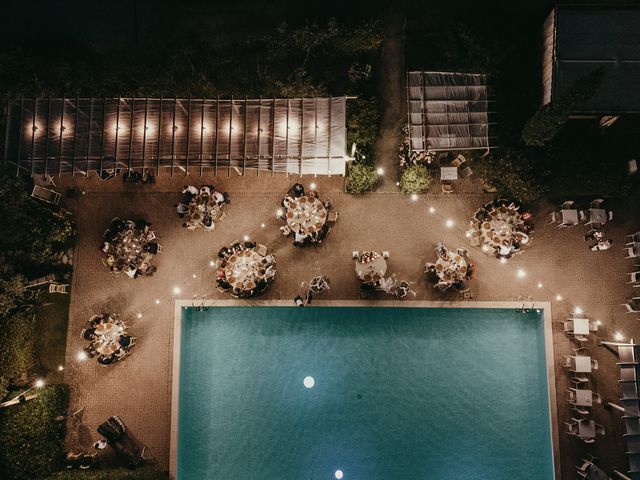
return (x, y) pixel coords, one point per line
(106, 337)
(306, 215)
(372, 271)
(453, 269)
(244, 269)
(500, 226)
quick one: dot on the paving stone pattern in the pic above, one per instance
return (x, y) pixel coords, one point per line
(139, 388)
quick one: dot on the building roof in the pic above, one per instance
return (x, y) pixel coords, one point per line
(447, 111)
(585, 38)
(55, 136)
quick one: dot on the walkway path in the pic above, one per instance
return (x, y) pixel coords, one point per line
(392, 101)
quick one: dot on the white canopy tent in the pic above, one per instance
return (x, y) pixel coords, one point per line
(448, 111)
(78, 135)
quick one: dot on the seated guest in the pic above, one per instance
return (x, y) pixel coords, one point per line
(219, 197)
(432, 276)
(105, 247)
(287, 201)
(299, 301)
(460, 285)
(224, 252)
(105, 360)
(89, 334)
(124, 340)
(131, 271)
(249, 245)
(151, 248)
(471, 270)
(204, 190)
(227, 197)
(150, 270)
(90, 351)
(182, 209)
(327, 204)
(298, 190)
(299, 237)
(602, 245)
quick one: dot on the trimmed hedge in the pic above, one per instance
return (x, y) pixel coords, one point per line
(30, 437)
(550, 118)
(415, 179)
(361, 178)
(142, 473)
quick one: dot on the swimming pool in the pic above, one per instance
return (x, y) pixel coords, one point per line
(396, 393)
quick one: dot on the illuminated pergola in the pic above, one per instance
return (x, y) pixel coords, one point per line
(198, 136)
(448, 111)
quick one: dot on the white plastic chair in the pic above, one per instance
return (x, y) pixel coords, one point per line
(630, 252)
(635, 277)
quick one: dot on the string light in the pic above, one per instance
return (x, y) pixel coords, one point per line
(82, 355)
(39, 383)
(449, 223)
(432, 210)
(212, 263)
(139, 315)
(60, 368)
(246, 238)
(414, 197)
(521, 273)
(176, 291)
(577, 311)
(379, 171)
(540, 285)
(157, 301)
(558, 297)
(618, 336)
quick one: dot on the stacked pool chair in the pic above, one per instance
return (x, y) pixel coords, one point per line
(630, 399)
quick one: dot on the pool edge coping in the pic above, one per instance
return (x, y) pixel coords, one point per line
(548, 340)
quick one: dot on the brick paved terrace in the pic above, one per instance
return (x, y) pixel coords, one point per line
(139, 388)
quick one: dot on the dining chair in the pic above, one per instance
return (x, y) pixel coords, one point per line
(629, 305)
(581, 216)
(599, 429)
(567, 204)
(635, 237)
(631, 253)
(355, 254)
(594, 364)
(597, 202)
(456, 162)
(634, 278)
(446, 187)
(554, 219)
(610, 215)
(579, 410)
(593, 325)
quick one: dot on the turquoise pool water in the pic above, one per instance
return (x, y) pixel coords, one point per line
(399, 394)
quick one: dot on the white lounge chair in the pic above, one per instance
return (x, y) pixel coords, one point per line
(58, 288)
(46, 195)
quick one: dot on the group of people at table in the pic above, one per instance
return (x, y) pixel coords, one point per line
(244, 269)
(108, 338)
(128, 247)
(450, 270)
(306, 216)
(598, 215)
(202, 207)
(501, 228)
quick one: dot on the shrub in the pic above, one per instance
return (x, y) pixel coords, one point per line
(550, 118)
(31, 439)
(415, 179)
(361, 178)
(142, 473)
(513, 172)
(363, 118)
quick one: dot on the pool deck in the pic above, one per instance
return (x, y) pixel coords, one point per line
(139, 389)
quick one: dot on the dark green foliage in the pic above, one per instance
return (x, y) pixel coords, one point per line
(415, 179)
(142, 473)
(514, 172)
(314, 59)
(30, 232)
(361, 178)
(30, 437)
(363, 119)
(29, 228)
(550, 118)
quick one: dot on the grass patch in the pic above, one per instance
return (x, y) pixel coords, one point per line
(142, 473)
(31, 439)
(50, 339)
